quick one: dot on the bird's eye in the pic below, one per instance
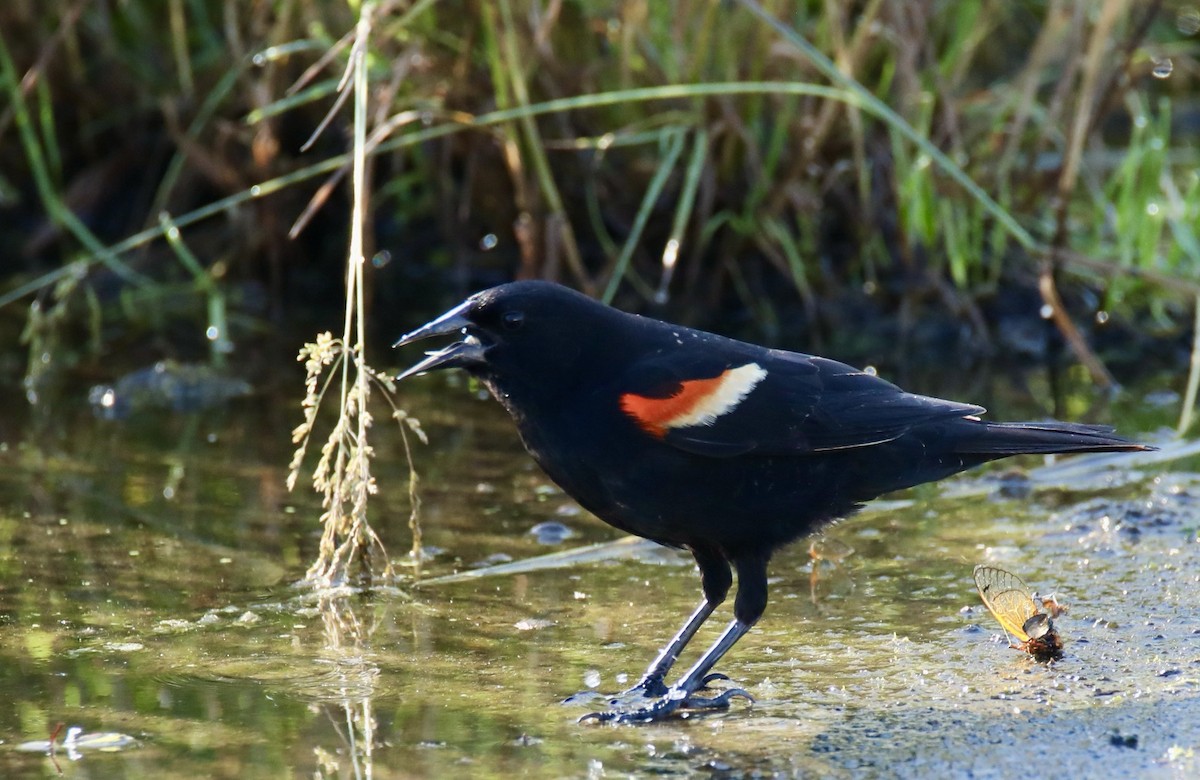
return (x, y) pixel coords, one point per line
(513, 320)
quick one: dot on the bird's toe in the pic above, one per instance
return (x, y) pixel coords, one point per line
(583, 697)
(719, 702)
(675, 702)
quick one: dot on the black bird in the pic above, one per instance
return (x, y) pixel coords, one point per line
(723, 448)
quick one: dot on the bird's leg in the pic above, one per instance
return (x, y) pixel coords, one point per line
(652, 683)
(715, 581)
(696, 678)
(680, 695)
(748, 607)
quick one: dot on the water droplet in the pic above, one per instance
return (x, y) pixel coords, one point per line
(1101, 317)
(1163, 68)
(103, 399)
(551, 532)
(381, 258)
(212, 333)
(1152, 209)
(1046, 312)
(488, 242)
(671, 254)
(870, 371)
(255, 191)
(259, 59)
(1140, 121)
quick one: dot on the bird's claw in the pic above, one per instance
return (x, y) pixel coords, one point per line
(670, 705)
(582, 697)
(718, 702)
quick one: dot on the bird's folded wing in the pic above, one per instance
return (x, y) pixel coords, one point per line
(772, 403)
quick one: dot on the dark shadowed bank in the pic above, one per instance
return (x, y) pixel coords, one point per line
(684, 159)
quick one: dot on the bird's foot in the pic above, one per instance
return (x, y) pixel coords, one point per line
(649, 704)
(649, 687)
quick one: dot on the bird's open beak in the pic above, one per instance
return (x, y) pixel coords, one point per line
(460, 354)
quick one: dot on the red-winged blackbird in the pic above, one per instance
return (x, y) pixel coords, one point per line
(726, 449)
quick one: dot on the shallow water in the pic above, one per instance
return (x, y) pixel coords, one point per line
(145, 571)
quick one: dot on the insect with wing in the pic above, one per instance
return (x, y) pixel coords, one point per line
(1011, 602)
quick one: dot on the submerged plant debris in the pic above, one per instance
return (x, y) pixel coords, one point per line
(178, 387)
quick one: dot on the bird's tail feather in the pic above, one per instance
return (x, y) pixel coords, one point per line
(1030, 438)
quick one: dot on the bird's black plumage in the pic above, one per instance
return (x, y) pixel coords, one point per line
(720, 447)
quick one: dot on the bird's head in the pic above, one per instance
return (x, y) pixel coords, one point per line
(522, 332)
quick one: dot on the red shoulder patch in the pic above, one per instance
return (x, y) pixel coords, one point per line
(696, 402)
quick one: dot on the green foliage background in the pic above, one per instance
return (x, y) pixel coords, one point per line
(679, 157)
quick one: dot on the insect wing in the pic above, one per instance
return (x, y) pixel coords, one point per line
(1008, 599)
